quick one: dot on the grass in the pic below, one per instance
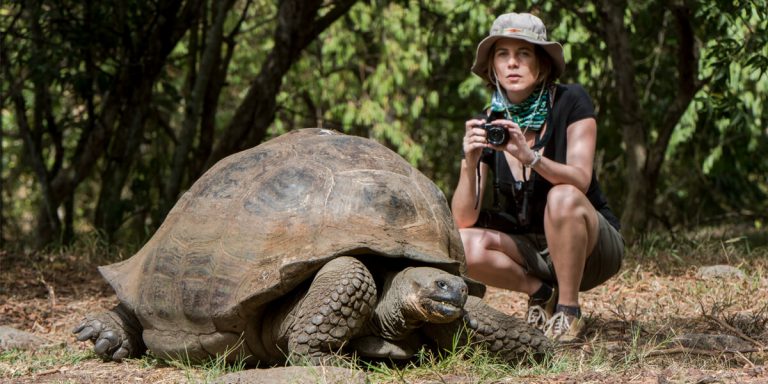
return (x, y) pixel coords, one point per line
(635, 321)
(17, 363)
(213, 367)
(472, 364)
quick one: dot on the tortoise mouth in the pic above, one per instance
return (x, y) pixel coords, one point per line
(442, 309)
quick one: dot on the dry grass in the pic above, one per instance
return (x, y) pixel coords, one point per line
(632, 319)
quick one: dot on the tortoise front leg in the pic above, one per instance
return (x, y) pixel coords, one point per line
(336, 307)
(116, 334)
(507, 337)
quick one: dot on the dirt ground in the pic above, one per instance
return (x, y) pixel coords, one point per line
(631, 321)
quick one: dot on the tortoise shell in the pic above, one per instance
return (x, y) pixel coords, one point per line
(261, 221)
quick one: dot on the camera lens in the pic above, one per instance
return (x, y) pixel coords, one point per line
(496, 135)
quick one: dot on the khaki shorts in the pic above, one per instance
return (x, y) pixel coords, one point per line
(602, 263)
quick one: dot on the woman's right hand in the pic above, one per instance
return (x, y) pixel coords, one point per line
(474, 140)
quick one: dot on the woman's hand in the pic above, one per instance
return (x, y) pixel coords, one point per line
(517, 145)
(475, 140)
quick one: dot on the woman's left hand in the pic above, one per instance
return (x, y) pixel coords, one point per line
(517, 145)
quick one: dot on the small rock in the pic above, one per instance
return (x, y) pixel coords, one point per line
(757, 371)
(708, 380)
(719, 272)
(712, 342)
(295, 375)
(12, 338)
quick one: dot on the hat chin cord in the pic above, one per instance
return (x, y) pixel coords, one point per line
(506, 100)
(498, 89)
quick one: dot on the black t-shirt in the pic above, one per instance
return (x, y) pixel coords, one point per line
(572, 103)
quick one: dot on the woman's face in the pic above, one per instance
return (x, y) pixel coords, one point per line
(517, 67)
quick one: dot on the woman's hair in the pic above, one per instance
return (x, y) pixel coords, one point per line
(543, 58)
(545, 65)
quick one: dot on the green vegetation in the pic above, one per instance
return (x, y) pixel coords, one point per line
(15, 363)
(110, 112)
(212, 368)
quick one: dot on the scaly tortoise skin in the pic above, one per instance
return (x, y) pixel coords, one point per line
(308, 245)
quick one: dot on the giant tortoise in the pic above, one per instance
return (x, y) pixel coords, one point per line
(308, 246)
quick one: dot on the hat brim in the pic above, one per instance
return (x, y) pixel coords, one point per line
(553, 49)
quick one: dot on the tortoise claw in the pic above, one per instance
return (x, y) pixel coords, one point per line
(78, 328)
(101, 347)
(121, 353)
(113, 337)
(83, 333)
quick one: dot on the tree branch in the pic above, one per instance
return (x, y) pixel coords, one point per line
(296, 27)
(687, 72)
(211, 54)
(33, 151)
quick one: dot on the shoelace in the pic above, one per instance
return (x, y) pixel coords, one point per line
(537, 316)
(559, 324)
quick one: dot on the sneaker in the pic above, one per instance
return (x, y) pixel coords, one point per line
(537, 317)
(564, 328)
(540, 312)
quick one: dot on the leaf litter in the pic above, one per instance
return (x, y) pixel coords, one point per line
(635, 322)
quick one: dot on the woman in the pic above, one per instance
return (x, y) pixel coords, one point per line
(551, 233)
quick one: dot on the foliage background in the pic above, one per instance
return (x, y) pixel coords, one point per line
(110, 111)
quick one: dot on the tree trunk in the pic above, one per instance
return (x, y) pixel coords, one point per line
(193, 105)
(297, 25)
(123, 151)
(645, 157)
(211, 99)
(134, 93)
(48, 221)
(633, 121)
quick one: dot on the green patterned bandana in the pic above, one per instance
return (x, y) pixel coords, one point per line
(530, 114)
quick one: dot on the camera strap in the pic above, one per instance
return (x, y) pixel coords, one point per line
(527, 184)
(477, 182)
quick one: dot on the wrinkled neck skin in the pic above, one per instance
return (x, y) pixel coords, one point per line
(396, 316)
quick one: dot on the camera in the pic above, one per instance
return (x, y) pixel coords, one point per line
(496, 134)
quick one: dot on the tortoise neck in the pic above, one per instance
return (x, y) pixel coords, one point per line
(391, 318)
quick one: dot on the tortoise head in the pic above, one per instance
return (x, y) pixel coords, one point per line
(430, 294)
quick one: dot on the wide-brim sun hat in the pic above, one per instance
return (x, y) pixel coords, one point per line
(521, 26)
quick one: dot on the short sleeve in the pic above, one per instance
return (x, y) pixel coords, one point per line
(580, 102)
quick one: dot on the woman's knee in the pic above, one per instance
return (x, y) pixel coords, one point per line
(471, 241)
(476, 242)
(566, 201)
(568, 209)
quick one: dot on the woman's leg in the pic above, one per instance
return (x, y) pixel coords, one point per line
(493, 258)
(571, 226)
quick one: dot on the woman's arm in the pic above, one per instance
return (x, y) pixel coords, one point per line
(577, 170)
(463, 203)
(467, 190)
